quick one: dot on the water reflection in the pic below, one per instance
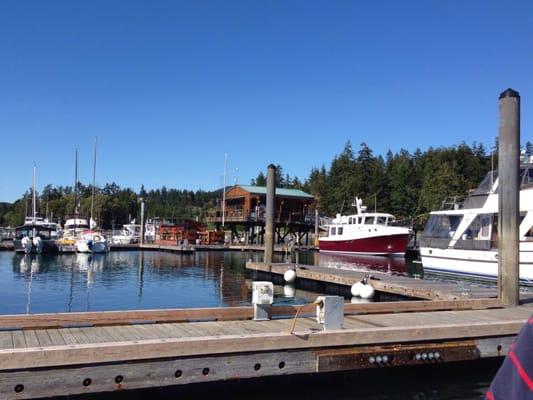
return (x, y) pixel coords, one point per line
(151, 279)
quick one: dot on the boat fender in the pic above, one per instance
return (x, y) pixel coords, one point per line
(367, 292)
(356, 289)
(289, 275)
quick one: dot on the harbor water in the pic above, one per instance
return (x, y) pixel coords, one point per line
(126, 280)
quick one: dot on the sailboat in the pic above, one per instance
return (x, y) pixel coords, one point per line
(74, 225)
(36, 235)
(91, 240)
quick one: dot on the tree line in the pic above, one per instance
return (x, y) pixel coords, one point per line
(408, 185)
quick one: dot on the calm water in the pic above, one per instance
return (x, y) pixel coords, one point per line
(145, 280)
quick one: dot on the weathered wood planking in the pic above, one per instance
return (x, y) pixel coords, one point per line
(393, 284)
(268, 336)
(102, 318)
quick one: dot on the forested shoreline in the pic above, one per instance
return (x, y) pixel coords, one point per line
(405, 184)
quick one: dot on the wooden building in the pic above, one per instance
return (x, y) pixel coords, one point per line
(245, 207)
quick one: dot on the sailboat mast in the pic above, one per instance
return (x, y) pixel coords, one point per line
(76, 186)
(94, 178)
(34, 198)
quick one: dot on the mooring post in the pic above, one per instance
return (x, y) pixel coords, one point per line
(509, 189)
(269, 225)
(317, 223)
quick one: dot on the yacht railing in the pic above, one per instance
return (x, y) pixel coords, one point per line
(453, 203)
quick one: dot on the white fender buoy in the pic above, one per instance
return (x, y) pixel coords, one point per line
(288, 291)
(367, 291)
(38, 243)
(26, 243)
(356, 289)
(289, 276)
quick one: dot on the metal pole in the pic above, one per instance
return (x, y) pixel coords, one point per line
(508, 207)
(270, 204)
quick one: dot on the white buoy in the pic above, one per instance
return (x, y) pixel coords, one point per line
(289, 291)
(356, 289)
(38, 243)
(289, 276)
(367, 292)
(26, 243)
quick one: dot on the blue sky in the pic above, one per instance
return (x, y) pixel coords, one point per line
(170, 86)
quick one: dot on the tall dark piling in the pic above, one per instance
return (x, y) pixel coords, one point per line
(270, 204)
(508, 207)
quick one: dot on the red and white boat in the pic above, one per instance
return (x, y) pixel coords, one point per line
(364, 233)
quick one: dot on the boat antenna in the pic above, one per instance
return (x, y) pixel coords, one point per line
(342, 207)
(224, 190)
(94, 178)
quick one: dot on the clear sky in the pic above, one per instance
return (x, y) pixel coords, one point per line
(170, 86)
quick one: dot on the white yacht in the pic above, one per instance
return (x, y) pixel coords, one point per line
(462, 238)
(130, 233)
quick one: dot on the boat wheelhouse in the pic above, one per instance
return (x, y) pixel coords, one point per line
(462, 237)
(364, 233)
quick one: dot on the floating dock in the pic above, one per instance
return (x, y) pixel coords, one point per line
(340, 280)
(76, 353)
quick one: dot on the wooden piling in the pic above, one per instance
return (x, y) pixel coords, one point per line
(270, 225)
(509, 189)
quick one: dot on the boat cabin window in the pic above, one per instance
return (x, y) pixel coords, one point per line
(369, 220)
(381, 220)
(442, 226)
(480, 233)
(350, 221)
(333, 231)
(340, 231)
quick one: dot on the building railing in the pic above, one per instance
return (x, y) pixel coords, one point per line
(260, 217)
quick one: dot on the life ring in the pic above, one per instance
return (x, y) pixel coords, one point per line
(96, 238)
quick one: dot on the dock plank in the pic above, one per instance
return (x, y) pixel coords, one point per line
(6, 340)
(18, 339)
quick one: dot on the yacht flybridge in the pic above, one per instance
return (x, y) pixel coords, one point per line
(364, 233)
(462, 238)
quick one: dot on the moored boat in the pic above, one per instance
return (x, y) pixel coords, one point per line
(364, 233)
(130, 234)
(462, 237)
(36, 236)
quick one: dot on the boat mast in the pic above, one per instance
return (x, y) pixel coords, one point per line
(34, 198)
(76, 211)
(224, 190)
(94, 179)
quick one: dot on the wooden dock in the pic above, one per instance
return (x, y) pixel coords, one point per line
(75, 353)
(385, 283)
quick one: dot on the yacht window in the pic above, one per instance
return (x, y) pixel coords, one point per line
(442, 226)
(382, 221)
(369, 220)
(333, 231)
(340, 231)
(350, 221)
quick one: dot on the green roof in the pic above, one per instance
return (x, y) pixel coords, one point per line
(279, 191)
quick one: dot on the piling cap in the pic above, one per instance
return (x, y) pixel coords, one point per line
(509, 93)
